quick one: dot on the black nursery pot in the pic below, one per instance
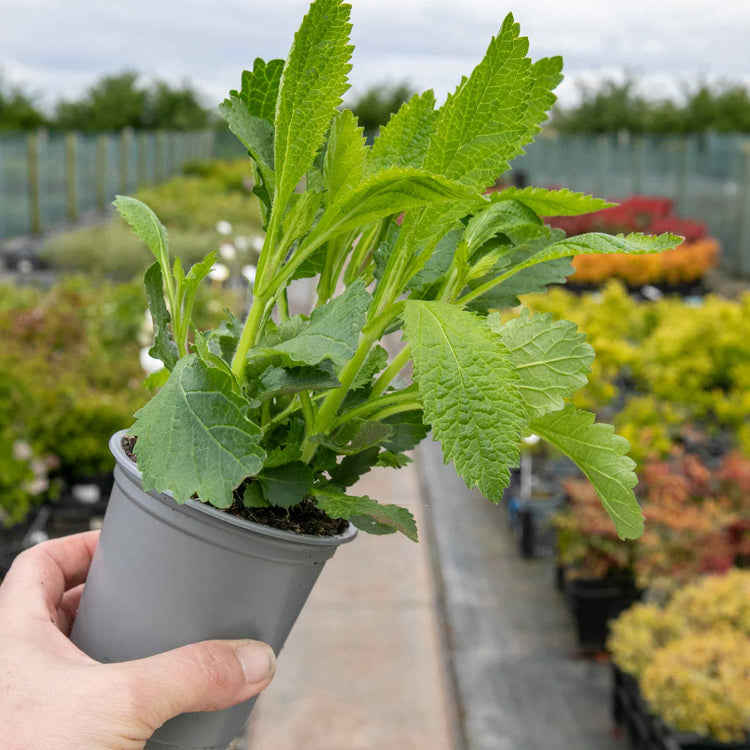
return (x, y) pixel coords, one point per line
(165, 575)
(594, 604)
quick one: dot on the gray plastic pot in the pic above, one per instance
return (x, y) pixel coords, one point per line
(165, 575)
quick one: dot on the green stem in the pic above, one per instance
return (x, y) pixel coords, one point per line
(480, 290)
(390, 372)
(248, 336)
(407, 395)
(282, 415)
(396, 409)
(309, 413)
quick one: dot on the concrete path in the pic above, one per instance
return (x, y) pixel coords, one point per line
(362, 669)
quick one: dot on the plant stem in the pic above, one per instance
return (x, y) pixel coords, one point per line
(282, 415)
(480, 290)
(396, 409)
(407, 395)
(390, 372)
(248, 336)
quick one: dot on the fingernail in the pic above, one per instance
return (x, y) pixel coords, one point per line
(258, 661)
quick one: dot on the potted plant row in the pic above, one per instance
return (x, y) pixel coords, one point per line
(232, 485)
(695, 525)
(682, 671)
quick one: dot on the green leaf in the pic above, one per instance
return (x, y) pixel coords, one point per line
(281, 381)
(196, 274)
(164, 347)
(333, 332)
(345, 156)
(498, 218)
(253, 496)
(367, 514)
(147, 227)
(286, 485)
(377, 359)
(598, 242)
(299, 218)
(486, 121)
(283, 455)
(255, 133)
(194, 436)
(601, 455)
(408, 431)
(155, 380)
(385, 193)
(404, 140)
(545, 202)
(203, 350)
(353, 467)
(547, 74)
(469, 390)
(312, 84)
(437, 264)
(260, 88)
(551, 358)
(356, 436)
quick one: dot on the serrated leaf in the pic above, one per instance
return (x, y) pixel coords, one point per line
(312, 85)
(404, 140)
(437, 264)
(468, 388)
(255, 133)
(496, 218)
(600, 243)
(601, 456)
(194, 436)
(286, 485)
(281, 381)
(545, 202)
(377, 359)
(353, 467)
(333, 332)
(355, 436)
(367, 514)
(551, 358)
(393, 460)
(146, 225)
(344, 157)
(196, 274)
(408, 430)
(283, 455)
(383, 194)
(210, 358)
(485, 122)
(164, 347)
(260, 88)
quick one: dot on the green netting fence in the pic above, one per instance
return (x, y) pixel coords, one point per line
(50, 178)
(707, 177)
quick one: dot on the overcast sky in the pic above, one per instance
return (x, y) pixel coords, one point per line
(59, 47)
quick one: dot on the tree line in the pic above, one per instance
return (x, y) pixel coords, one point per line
(612, 106)
(114, 102)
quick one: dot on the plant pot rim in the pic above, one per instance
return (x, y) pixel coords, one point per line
(130, 469)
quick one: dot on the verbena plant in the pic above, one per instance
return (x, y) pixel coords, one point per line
(401, 236)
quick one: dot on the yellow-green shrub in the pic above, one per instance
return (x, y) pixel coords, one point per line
(701, 683)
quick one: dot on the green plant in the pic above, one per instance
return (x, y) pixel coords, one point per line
(271, 412)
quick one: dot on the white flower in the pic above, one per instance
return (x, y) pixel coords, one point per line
(219, 272)
(242, 243)
(531, 439)
(22, 450)
(257, 243)
(227, 251)
(249, 273)
(224, 227)
(148, 363)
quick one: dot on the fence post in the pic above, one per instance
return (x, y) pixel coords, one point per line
(601, 166)
(210, 140)
(637, 162)
(101, 171)
(742, 265)
(681, 176)
(125, 137)
(32, 153)
(159, 164)
(71, 150)
(142, 155)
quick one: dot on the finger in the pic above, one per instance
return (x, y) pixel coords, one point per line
(205, 676)
(66, 612)
(40, 576)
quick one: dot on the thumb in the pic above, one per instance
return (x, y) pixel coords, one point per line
(206, 676)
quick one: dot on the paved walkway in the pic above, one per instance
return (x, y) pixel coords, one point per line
(362, 669)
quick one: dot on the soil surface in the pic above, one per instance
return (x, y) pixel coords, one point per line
(304, 518)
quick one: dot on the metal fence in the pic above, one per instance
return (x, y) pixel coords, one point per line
(48, 178)
(707, 177)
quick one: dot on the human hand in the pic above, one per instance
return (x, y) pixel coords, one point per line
(54, 697)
